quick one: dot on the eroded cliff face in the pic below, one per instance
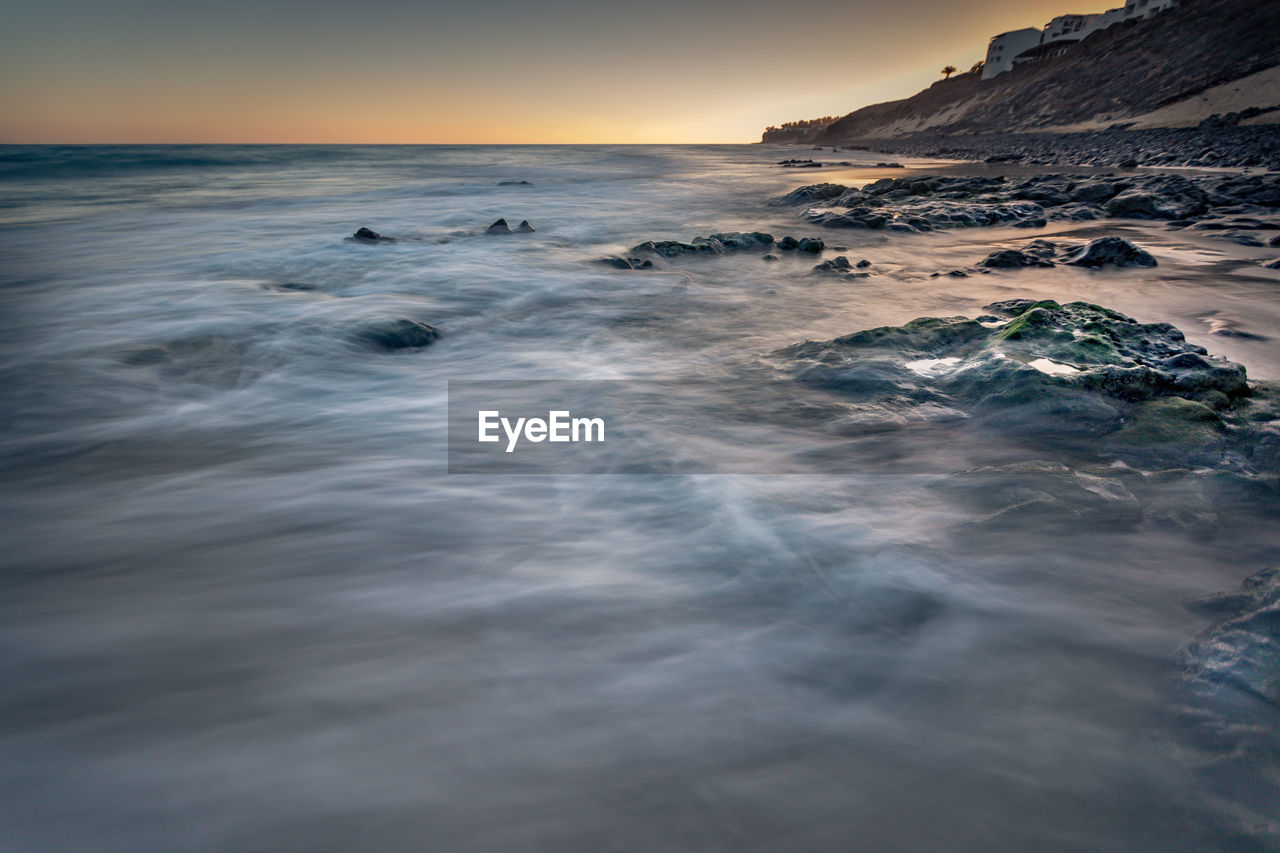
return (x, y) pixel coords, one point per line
(1126, 71)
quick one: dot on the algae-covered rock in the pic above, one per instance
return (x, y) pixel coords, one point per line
(1077, 373)
(1174, 430)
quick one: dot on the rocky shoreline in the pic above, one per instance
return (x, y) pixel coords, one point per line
(1216, 143)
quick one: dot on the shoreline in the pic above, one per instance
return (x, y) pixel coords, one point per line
(1219, 144)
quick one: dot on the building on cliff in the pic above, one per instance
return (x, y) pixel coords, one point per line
(1005, 47)
(1018, 47)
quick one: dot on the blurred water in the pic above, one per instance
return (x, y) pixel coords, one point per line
(244, 607)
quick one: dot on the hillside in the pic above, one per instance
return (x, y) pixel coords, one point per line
(1128, 70)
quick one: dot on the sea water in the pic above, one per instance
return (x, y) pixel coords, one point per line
(244, 605)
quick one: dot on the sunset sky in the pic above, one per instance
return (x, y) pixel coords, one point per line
(481, 72)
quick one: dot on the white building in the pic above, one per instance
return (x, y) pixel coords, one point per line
(1145, 8)
(1004, 47)
(1073, 27)
(1020, 46)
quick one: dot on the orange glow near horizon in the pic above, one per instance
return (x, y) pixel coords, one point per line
(71, 72)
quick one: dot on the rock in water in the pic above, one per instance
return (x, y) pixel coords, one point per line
(813, 192)
(1006, 259)
(524, 227)
(514, 184)
(627, 263)
(1074, 373)
(1232, 669)
(1042, 249)
(840, 266)
(368, 235)
(1109, 250)
(499, 227)
(396, 334)
(714, 244)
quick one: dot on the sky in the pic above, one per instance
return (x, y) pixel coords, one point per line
(494, 71)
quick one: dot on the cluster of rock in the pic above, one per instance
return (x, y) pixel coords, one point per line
(1070, 375)
(1105, 251)
(368, 235)
(930, 202)
(1219, 143)
(643, 255)
(809, 164)
(841, 267)
(501, 227)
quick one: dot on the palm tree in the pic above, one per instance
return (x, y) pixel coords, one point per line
(948, 71)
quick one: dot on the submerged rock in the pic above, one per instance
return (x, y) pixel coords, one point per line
(397, 334)
(514, 184)
(627, 263)
(499, 227)
(1231, 671)
(524, 227)
(1109, 250)
(368, 235)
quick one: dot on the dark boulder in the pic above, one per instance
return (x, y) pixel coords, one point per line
(1109, 250)
(524, 227)
(1013, 259)
(368, 235)
(499, 227)
(812, 193)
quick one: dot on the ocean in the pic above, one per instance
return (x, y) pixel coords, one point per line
(247, 606)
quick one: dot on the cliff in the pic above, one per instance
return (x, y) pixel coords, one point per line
(1123, 73)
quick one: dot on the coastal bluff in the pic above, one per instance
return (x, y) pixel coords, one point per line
(1174, 69)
